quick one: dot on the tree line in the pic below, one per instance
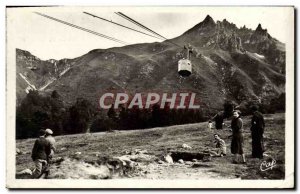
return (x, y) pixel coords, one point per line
(37, 112)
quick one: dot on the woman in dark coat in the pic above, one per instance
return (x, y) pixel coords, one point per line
(219, 117)
(257, 131)
(237, 137)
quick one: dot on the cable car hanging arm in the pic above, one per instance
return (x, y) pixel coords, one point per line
(144, 27)
(81, 28)
(122, 25)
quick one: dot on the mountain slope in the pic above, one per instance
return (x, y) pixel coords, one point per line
(230, 63)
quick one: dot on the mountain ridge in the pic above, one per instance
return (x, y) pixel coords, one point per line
(229, 63)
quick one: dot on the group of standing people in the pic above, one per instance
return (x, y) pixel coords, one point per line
(237, 143)
(42, 153)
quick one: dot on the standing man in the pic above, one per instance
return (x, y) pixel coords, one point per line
(51, 140)
(257, 131)
(40, 155)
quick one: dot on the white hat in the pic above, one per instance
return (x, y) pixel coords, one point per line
(49, 131)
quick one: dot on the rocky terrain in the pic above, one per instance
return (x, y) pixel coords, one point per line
(142, 154)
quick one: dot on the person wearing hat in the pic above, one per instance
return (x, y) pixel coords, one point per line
(40, 155)
(51, 140)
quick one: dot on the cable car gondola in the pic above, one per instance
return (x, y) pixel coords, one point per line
(185, 65)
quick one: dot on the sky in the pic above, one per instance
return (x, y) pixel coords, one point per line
(49, 39)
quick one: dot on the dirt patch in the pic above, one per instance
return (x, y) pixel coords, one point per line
(74, 169)
(187, 156)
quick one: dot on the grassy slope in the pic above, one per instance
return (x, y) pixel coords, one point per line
(157, 140)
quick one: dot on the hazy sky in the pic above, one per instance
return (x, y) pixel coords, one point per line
(48, 39)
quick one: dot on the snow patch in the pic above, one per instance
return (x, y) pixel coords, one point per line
(55, 67)
(64, 71)
(29, 84)
(259, 56)
(52, 79)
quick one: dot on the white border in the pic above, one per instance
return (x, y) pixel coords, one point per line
(10, 157)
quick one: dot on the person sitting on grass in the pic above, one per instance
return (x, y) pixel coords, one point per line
(220, 145)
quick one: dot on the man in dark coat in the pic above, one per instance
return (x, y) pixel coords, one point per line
(40, 155)
(257, 131)
(219, 118)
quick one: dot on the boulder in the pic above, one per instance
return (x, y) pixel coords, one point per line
(180, 161)
(63, 149)
(26, 171)
(186, 146)
(18, 151)
(167, 158)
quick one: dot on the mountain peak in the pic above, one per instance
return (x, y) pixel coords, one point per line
(259, 28)
(208, 20)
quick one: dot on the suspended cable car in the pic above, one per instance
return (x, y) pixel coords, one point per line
(185, 65)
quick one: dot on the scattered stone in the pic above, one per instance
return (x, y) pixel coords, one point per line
(266, 155)
(194, 160)
(188, 163)
(82, 144)
(167, 158)
(160, 162)
(97, 154)
(25, 172)
(57, 160)
(126, 152)
(18, 151)
(58, 175)
(63, 149)
(185, 146)
(75, 177)
(140, 151)
(206, 158)
(180, 161)
(78, 153)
